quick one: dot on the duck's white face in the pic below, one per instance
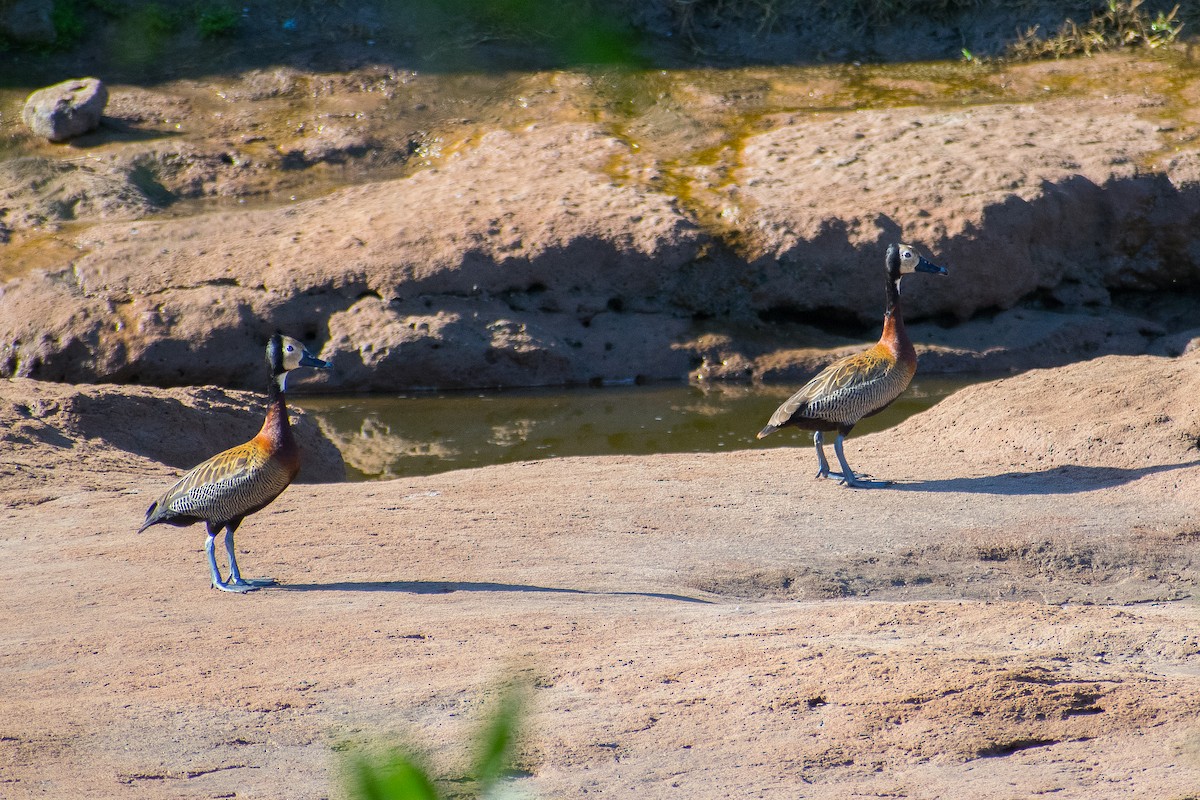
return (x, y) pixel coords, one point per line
(291, 354)
(908, 259)
(293, 351)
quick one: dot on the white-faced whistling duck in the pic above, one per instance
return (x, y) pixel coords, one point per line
(862, 384)
(230, 486)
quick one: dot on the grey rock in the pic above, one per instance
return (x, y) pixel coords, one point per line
(66, 109)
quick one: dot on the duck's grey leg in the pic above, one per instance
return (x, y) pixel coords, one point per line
(848, 477)
(235, 575)
(217, 582)
(822, 464)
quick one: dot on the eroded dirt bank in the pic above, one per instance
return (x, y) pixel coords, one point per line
(1014, 616)
(591, 226)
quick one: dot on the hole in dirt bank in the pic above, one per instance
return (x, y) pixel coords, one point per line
(1082, 712)
(293, 160)
(999, 749)
(777, 584)
(146, 179)
(758, 584)
(1174, 310)
(1045, 554)
(832, 320)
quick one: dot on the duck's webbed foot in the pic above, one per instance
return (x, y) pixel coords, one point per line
(236, 582)
(239, 587)
(860, 482)
(253, 583)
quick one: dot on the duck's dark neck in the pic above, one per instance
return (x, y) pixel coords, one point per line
(276, 427)
(275, 389)
(893, 297)
(894, 336)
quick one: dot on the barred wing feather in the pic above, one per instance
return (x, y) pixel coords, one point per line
(845, 391)
(230, 484)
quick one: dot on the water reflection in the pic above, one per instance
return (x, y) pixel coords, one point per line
(426, 433)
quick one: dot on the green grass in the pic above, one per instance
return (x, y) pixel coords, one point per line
(216, 21)
(142, 37)
(69, 26)
(449, 33)
(142, 30)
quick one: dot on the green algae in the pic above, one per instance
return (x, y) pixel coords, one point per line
(685, 131)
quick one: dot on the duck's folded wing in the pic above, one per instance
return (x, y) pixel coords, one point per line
(837, 388)
(219, 488)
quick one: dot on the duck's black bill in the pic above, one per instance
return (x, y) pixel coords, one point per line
(928, 266)
(307, 359)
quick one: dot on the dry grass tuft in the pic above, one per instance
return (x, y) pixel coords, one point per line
(1121, 24)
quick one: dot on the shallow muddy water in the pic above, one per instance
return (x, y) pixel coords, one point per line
(426, 433)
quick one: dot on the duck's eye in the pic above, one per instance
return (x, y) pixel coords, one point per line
(290, 348)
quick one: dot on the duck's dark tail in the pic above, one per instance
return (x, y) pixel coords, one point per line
(767, 431)
(151, 517)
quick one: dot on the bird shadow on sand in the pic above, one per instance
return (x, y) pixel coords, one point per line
(447, 587)
(1067, 479)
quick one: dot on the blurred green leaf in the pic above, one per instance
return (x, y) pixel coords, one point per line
(397, 778)
(497, 740)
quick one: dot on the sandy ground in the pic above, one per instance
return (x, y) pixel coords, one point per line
(1014, 617)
